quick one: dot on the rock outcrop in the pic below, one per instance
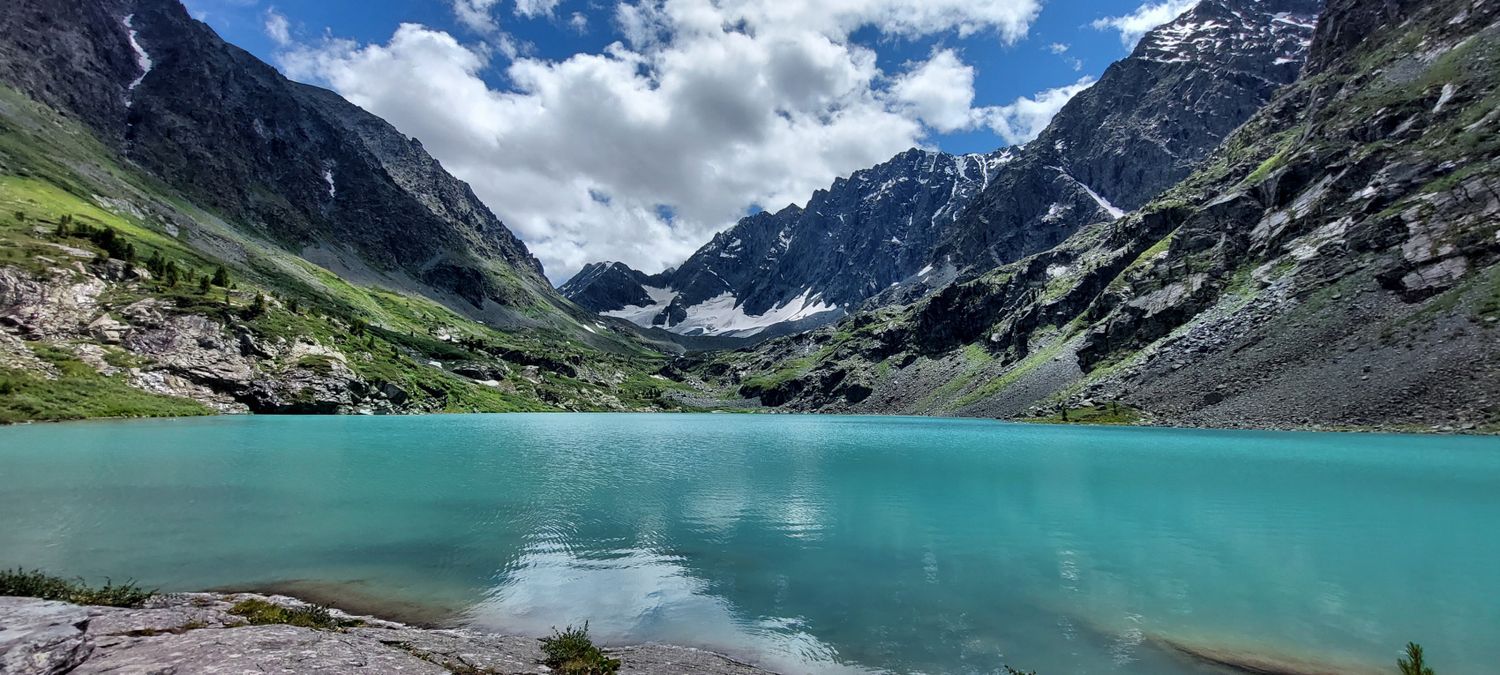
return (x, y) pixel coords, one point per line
(197, 633)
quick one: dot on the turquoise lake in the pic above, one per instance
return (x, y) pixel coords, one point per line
(802, 543)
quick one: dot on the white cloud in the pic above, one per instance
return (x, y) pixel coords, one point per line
(940, 91)
(278, 28)
(1022, 120)
(579, 22)
(477, 15)
(708, 108)
(1149, 15)
(535, 8)
(1057, 48)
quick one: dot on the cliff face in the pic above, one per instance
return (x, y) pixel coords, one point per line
(1144, 126)
(1333, 263)
(290, 163)
(920, 219)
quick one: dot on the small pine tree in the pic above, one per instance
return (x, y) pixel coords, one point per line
(155, 264)
(204, 284)
(20, 216)
(1412, 663)
(293, 306)
(62, 228)
(170, 274)
(221, 277)
(1064, 409)
(258, 307)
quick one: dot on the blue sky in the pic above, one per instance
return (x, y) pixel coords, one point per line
(498, 90)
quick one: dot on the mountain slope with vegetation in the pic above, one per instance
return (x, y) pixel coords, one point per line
(1332, 264)
(185, 231)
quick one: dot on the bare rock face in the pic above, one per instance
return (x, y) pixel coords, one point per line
(63, 304)
(196, 633)
(254, 649)
(38, 637)
(196, 349)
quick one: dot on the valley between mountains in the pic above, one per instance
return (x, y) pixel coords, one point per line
(1272, 214)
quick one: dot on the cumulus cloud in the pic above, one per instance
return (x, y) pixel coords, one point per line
(1057, 48)
(535, 8)
(579, 22)
(477, 15)
(278, 28)
(940, 91)
(706, 109)
(1026, 117)
(1136, 24)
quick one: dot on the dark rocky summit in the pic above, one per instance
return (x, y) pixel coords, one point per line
(1144, 126)
(802, 266)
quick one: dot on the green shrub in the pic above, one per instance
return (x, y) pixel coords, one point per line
(261, 613)
(35, 584)
(571, 652)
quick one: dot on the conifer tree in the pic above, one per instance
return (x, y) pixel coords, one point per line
(1412, 663)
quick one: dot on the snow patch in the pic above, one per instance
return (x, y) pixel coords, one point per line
(722, 315)
(641, 315)
(1103, 203)
(333, 189)
(1448, 91)
(925, 271)
(142, 59)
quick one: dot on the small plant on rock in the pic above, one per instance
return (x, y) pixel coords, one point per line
(571, 652)
(35, 584)
(261, 613)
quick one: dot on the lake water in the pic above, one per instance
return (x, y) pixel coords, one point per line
(803, 543)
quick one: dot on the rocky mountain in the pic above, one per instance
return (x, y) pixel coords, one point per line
(293, 164)
(774, 272)
(918, 220)
(1331, 264)
(1149, 121)
(184, 230)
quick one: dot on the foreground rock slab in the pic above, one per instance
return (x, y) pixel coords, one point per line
(196, 633)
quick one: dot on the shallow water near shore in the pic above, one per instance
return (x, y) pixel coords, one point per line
(802, 543)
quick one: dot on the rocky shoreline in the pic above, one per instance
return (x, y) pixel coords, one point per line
(197, 633)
